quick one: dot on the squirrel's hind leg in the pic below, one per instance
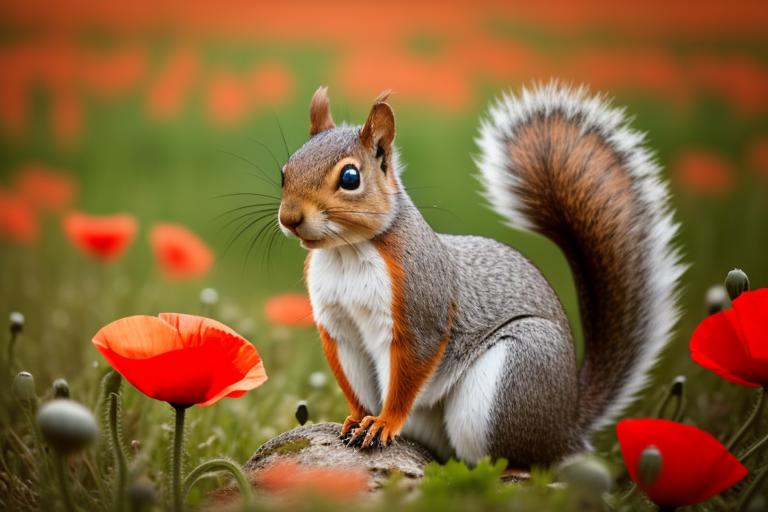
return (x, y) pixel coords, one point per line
(518, 400)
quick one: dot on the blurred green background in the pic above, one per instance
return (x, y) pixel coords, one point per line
(156, 108)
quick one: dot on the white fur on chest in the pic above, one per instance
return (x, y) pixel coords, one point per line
(351, 294)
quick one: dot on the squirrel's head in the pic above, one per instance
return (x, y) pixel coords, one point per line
(341, 186)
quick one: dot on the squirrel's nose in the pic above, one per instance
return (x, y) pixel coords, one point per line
(291, 220)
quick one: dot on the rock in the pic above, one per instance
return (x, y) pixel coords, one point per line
(319, 445)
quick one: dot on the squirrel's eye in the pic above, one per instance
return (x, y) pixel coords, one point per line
(350, 177)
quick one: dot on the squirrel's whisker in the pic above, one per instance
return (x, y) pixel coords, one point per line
(282, 135)
(271, 154)
(243, 228)
(270, 206)
(256, 194)
(266, 213)
(264, 176)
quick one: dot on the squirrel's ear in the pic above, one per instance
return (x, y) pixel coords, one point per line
(378, 132)
(320, 112)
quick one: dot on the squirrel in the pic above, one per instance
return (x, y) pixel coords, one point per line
(459, 342)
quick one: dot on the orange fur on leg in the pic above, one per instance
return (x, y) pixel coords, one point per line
(356, 410)
(408, 372)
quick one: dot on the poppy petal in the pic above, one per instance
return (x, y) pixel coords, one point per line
(751, 309)
(717, 346)
(695, 466)
(138, 337)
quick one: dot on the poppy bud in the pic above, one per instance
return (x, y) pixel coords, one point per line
(24, 387)
(717, 299)
(60, 388)
(209, 297)
(302, 412)
(736, 283)
(649, 466)
(677, 386)
(588, 473)
(16, 323)
(67, 425)
(142, 494)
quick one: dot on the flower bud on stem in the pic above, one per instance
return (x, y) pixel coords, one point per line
(736, 282)
(16, 327)
(676, 392)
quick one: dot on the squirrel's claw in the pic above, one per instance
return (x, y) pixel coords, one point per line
(373, 431)
(349, 422)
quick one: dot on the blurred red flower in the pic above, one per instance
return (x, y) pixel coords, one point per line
(734, 343)
(289, 309)
(103, 237)
(181, 359)
(180, 253)
(694, 465)
(289, 476)
(18, 221)
(272, 83)
(45, 188)
(704, 172)
(758, 155)
(228, 99)
(67, 116)
(170, 88)
(114, 73)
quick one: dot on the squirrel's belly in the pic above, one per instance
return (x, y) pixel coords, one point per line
(351, 296)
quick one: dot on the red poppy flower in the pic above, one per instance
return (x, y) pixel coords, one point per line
(289, 309)
(18, 221)
(734, 342)
(179, 252)
(181, 359)
(289, 476)
(104, 237)
(45, 188)
(704, 172)
(694, 465)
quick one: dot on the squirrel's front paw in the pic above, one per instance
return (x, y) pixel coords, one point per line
(351, 421)
(373, 431)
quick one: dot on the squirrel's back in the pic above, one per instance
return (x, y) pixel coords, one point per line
(563, 164)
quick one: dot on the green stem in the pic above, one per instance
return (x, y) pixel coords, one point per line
(750, 420)
(752, 449)
(12, 352)
(630, 492)
(61, 475)
(675, 392)
(215, 465)
(121, 465)
(178, 442)
(750, 491)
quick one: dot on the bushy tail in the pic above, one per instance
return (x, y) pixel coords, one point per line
(563, 164)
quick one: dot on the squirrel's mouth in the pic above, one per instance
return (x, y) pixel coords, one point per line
(311, 243)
